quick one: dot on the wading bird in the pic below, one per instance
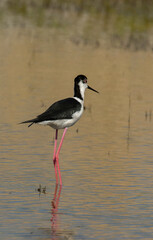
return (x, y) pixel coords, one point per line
(63, 114)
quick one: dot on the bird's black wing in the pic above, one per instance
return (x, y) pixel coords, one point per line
(62, 109)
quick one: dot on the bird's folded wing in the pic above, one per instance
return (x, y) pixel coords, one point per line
(62, 109)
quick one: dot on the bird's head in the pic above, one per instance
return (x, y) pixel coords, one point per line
(81, 85)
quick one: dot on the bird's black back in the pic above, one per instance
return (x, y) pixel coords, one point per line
(62, 109)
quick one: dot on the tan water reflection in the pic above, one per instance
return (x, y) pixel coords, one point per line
(106, 163)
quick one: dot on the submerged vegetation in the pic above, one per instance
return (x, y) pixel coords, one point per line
(126, 23)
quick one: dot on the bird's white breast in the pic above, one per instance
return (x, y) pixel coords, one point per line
(63, 123)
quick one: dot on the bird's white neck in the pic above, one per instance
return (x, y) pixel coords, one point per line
(79, 90)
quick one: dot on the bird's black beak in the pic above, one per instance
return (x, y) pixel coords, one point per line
(92, 89)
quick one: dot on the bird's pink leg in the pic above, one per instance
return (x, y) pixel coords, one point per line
(57, 155)
(54, 156)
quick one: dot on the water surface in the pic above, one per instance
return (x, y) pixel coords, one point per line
(107, 157)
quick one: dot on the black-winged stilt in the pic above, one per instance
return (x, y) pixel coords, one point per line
(64, 114)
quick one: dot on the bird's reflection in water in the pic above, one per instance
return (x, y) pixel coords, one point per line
(54, 210)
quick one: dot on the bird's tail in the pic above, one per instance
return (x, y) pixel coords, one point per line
(32, 121)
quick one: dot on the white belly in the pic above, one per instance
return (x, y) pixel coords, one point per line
(63, 123)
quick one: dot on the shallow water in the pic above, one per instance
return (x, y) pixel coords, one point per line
(107, 157)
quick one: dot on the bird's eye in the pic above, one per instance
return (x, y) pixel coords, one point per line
(84, 80)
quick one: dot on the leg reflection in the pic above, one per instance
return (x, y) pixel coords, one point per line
(54, 209)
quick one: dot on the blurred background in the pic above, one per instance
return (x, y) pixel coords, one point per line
(107, 157)
(117, 23)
